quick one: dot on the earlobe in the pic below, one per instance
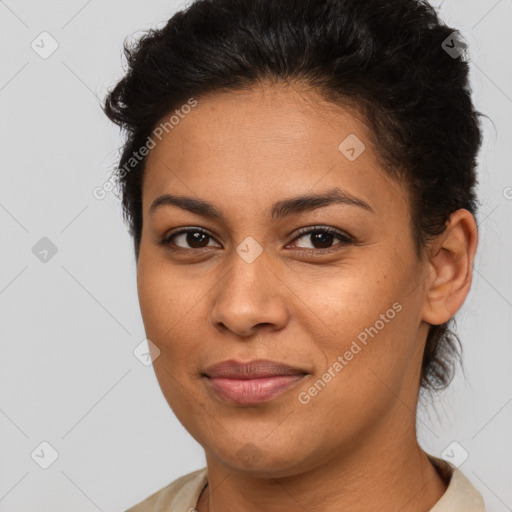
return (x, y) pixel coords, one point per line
(451, 267)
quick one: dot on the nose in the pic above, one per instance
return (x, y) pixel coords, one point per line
(250, 298)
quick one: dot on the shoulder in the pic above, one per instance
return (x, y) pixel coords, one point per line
(180, 495)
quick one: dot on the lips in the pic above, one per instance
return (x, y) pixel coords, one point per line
(251, 370)
(253, 382)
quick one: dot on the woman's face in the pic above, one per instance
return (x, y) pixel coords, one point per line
(344, 309)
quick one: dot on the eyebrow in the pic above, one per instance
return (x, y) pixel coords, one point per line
(279, 210)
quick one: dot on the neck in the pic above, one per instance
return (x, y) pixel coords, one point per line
(384, 473)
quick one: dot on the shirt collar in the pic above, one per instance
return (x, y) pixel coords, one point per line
(460, 495)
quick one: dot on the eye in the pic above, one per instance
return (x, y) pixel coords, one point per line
(322, 237)
(196, 238)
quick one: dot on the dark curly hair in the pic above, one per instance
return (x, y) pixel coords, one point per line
(389, 59)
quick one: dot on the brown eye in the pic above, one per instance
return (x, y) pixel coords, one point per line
(191, 238)
(322, 238)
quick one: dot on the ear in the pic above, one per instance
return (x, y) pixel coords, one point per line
(450, 268)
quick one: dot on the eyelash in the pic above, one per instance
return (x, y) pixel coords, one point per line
(345, 239)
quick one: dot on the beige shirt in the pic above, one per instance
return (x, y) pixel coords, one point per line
(182, 494)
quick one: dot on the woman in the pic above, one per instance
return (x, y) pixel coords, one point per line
(298, 178)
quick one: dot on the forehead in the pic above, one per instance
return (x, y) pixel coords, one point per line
(263, 144)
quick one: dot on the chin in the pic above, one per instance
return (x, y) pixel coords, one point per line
(260, 459)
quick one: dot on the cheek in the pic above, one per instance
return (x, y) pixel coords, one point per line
(168, 322)
(365, 369)
(351, 302)
(372, 321)
(170, 311)
(381, 358)
(163, 294)
(154, 298)
(160, 305)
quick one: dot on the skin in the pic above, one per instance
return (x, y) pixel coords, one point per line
(353, 446)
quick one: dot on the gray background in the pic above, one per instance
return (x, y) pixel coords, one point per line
(68, 375)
